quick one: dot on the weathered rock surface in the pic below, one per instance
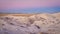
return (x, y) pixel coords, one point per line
(36, 24)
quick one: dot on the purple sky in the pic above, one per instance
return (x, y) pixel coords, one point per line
(21, 4)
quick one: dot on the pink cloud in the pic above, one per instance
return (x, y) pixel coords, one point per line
(29, 4)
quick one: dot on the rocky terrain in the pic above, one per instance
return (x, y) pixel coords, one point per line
(34, 24)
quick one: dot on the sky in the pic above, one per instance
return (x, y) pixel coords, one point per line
(29, 6)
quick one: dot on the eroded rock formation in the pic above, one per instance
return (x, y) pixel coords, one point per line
(35, 24)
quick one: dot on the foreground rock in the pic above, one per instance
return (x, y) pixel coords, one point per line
(36, 24)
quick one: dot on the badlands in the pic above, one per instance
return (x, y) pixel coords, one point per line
(33, 24)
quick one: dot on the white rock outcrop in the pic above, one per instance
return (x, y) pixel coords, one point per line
(35, 24)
